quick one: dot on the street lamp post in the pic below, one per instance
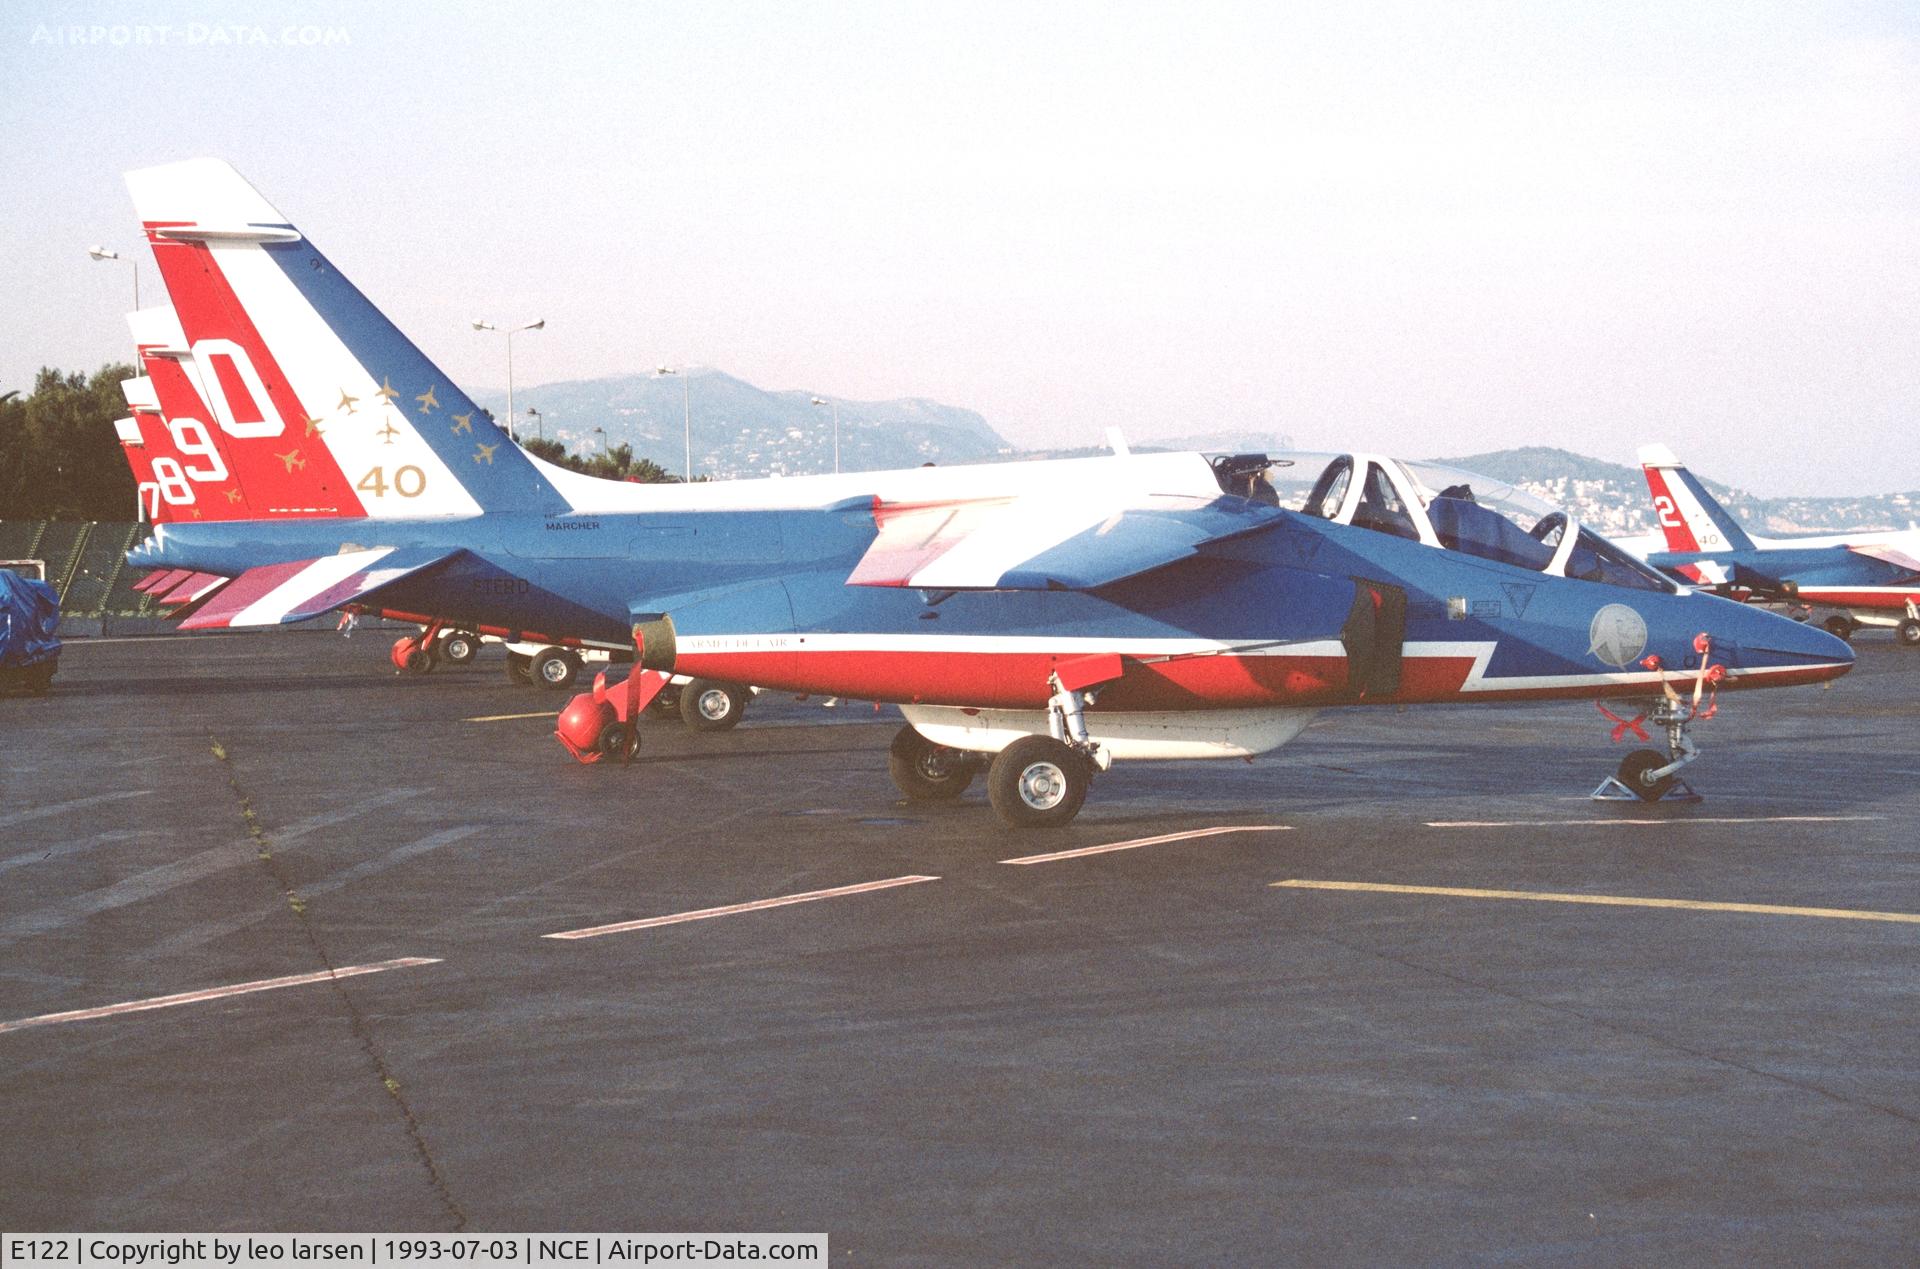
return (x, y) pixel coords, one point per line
(511, 331)
(686, 411)
(101, 253)
(836, 430)
(539, 422)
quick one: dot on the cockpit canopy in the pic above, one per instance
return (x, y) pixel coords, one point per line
(1442, 507)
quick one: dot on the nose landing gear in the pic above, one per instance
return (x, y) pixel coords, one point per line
(1647, 775)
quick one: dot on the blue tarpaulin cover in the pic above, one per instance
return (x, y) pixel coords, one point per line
(29, 614)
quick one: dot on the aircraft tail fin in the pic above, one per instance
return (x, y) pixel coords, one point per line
(1689, 516)
(338, 412)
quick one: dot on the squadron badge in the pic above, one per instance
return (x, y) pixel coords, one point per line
(1617, 636)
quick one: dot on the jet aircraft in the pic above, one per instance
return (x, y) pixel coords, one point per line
(1844, 581)
(1039, 620)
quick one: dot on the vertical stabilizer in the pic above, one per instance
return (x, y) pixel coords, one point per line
(1687, 513)
(284, 349)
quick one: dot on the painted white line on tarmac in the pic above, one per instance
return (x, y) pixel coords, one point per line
(217, 993)
(1608, 900)
(1690, 819)
(42, 812)
(734, 909)
(1138, 842)
(506, 718)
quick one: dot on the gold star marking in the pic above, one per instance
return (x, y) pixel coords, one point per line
(389, 432)
(428, 402)
(346, 402)
(292, 459)
(483, 452)
(196, 513)
(462, 423)
(386, 392)
(313, 428)
(233, 495)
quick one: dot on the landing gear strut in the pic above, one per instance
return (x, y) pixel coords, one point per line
(1042, 781)
(1647, 774)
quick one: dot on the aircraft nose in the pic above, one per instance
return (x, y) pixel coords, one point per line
(1779, 650)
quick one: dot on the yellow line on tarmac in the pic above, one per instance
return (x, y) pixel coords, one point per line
(501, 718)
(1609, 900)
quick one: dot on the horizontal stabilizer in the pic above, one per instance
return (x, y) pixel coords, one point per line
(192, 587)
(1046, 542)
(160, 581)
(276, 594)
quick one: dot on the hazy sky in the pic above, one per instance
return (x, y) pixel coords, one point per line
(1430, 229)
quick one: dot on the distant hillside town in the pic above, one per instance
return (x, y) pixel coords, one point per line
(739, 431)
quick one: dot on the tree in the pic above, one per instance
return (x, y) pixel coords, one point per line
(60, 457)
(617, 463)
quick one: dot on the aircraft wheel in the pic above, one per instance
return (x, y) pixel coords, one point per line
(519, 668)
(458, 647)
(619, 742)
(667, 703)
(1037, 782)
(927, 772)
(1840, 627)
(1634, 769)
(1909, 633)
(710, 705)
(556, 668)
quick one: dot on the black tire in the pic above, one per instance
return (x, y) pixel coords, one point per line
(555, 668)
(1037, 782)
(927, 772)
(1840, 626)
(519, 668)
(711, 705)
(39, 679)
(1634, 769)
(457, 647)
(619, 742)
(1909, 633)
(667, 703)
(419, 661)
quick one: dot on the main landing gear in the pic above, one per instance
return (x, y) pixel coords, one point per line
(1035, 782)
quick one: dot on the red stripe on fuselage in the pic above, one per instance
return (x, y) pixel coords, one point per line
(1893, 597)
(1018, 680)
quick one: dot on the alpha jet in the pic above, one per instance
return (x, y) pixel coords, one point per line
(1040, 620)
(1844, 581)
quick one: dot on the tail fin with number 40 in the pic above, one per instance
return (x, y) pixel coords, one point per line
(283, 349)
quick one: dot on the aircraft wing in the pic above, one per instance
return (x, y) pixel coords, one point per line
(1888, 554)
(275, 594)
(1046, 542)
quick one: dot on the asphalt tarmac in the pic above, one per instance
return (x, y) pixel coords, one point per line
(1153, 1053)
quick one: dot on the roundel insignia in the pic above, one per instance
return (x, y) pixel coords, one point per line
(1617, 636)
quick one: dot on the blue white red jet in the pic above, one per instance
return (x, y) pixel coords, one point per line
(1040, 620)
(1843, 581)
